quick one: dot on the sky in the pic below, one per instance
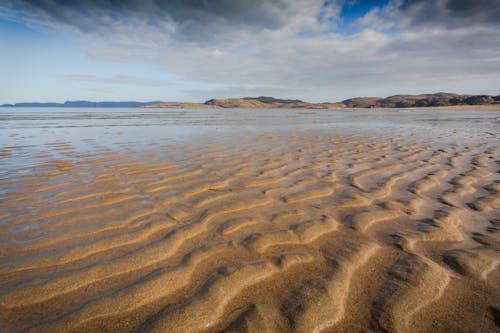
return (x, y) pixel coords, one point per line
(194, 50)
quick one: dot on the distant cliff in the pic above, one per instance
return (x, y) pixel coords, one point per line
(84, 104)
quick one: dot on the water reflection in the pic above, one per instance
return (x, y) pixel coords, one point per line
(26, 133)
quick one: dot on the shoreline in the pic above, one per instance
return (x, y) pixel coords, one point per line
(265, 102)
(321, 107)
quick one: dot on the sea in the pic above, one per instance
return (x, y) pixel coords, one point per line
(29, 136)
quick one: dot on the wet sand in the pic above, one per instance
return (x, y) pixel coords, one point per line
(380, 231)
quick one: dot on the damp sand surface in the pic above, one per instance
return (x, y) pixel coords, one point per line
(130, 220)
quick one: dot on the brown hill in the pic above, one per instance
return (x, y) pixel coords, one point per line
(361, 102)
(269, 103)
(261, 102)
(396, 101)
(423, 100)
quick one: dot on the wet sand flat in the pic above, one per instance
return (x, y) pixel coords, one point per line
(301, 230)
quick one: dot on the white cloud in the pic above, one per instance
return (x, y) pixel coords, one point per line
(294, 48)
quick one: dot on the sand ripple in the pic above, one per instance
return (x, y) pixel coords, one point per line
(301, 233)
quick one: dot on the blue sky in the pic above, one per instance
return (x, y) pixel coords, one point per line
(352, 11)
(195, 50)
(43, 64)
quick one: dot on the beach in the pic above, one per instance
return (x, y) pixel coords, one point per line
(250, 221)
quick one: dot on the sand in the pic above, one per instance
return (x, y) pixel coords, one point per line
(315, 232)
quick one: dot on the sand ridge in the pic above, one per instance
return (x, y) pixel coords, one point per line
(304, 233)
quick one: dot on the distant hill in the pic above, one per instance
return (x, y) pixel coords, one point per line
(264, 102)
(265, 99)
(396, 101)
(84, 104)
(261, 102)
(424, 100)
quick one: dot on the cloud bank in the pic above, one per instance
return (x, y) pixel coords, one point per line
(290, 46)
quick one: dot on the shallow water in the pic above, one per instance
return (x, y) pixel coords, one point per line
(29, 134)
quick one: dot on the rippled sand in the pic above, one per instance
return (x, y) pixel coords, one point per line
(281, 233)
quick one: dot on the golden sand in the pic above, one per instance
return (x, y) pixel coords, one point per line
(288, 233)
